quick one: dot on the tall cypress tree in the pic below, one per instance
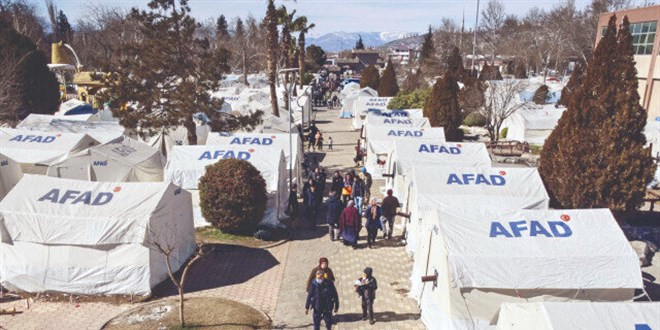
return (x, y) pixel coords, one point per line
(359, 44)
(370, 78)
(442, 107)
(520, 71)
(222, 28)
(427, 52)
(574, 82)
(541, 94)
(388, 84)
(455, 64)
(595, 157)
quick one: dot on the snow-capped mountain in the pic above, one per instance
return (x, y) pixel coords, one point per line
(336, 41)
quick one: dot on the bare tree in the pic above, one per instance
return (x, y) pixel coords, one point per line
(501, 101)
(493, 17)
(9, 96)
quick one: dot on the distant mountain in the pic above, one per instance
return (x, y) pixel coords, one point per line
(410, 42)
(338, 41)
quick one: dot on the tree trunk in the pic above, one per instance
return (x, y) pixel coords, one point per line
(189, 124)
(182, 318)
(301, 59)
(286, 87)
(245, 74)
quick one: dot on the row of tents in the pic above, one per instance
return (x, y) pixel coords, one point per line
(488, 252)
(86, 206)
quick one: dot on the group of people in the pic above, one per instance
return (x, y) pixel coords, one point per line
(323, 299)
(315, 139)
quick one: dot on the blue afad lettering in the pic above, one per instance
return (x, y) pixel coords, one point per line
(433, 148)
(100, 163)
(464, 179)
(75, 197)
(534, 227)
(642, 327)
(224, 154)
(397, 121)
(33, 138)
(250, 140)
(405, 133)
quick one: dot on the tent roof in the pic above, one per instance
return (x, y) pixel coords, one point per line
(187, 164)
(125, 150)
(406, 152)
(579, 315)
(50, 210)
(101, 131)
(279, 141)
(36, 147)
(490, 187)
(553, 249)
(380, 138)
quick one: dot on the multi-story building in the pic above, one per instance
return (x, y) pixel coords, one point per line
(644, 26)
(403, 55)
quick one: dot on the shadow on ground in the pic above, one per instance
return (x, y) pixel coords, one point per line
(224, 265)
(382, 317)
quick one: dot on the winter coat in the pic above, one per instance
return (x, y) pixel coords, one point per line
(310, 198)
(350, 218)
(333, 206)
(368, 291)
(322, 296)
(389, 206)
(368, 180)
(359, 189)
(371, 221)
(329, 276)
(337, 184)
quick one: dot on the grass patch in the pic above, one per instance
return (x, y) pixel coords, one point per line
(535, 149)
(211, 234)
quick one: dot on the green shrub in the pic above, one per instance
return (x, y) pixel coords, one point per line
(541, 95)
(474, 119)
(504, 132)
(413, 100)
(307, 78)
(233, 196)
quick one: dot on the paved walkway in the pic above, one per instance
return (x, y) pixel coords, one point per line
(393, 309)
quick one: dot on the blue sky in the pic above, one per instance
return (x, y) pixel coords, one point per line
(331, 15)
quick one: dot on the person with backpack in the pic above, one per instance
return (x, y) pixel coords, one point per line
(366, 287)
(322, 298)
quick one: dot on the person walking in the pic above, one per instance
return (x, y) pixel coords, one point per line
(368, 182)
(333, 207)
(389, 206)
(292, 207)
(372, 222)
(311, 204)
(323, 265)
(311, 141)
(330, 143)
(322, 298)
(319, 141)
(366, 287)
(350, 224)
(347, 189)
(358, 192)
(337, 183)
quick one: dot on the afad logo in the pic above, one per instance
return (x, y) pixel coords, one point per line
(226, 154)
(4, 162)
(74, 197)
(406, 133)
(266, 141)
(396, 121)
(395, 113)
(477, 179)
(439, 149)
(100, 163)
(35, 138)
(532, 228)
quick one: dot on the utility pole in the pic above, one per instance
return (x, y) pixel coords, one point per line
(474, 37)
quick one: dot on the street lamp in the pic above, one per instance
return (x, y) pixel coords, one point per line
(288, 95)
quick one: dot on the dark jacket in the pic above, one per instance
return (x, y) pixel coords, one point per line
(389, 206)
(337, 184)
(350, 218)
(368, 291)
(371, 221)
(322, 296)
(359, 188)
(310, 198)
(328, 276)
(333, 206)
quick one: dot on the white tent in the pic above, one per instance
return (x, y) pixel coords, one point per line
(277, 141)
(652, 132)
(10, 174)
(365, 104)
(99, 130)
(408, 152)
(35, 147)
(532, 125)
(121, 160)
(405, 117)
(380, 139)
(484, 258)
(461, 188)
(579, 315)
(167, 139)
(187, 164)
(351, 96)
(82, 237)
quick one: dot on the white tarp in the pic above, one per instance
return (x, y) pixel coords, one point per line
(652, 132)
(364, 104)
(187, 164)
(121, 160)
(461, 188)
(532, 125)
(10, 174)
(484, 258)
(408, 152)
(380, 139)
(579, 315)
(277, 141)
(99, 130)
(167, 139)
(93, 238)
(35, 147)
(351, 96)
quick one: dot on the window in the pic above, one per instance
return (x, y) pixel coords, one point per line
(643, 35)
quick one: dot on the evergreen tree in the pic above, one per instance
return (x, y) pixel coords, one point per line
(222, 28)
(32, 87)
(161, 82)
(489, 73)
(314, 57)
(64, 30)
(455, 64)
(521, 71)
(442, 107)
(541, 95)
(573, 84)
(596, 157)
(359, 44)
(388, 84)
(370, 78)
(427, 53)
(272, 54)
